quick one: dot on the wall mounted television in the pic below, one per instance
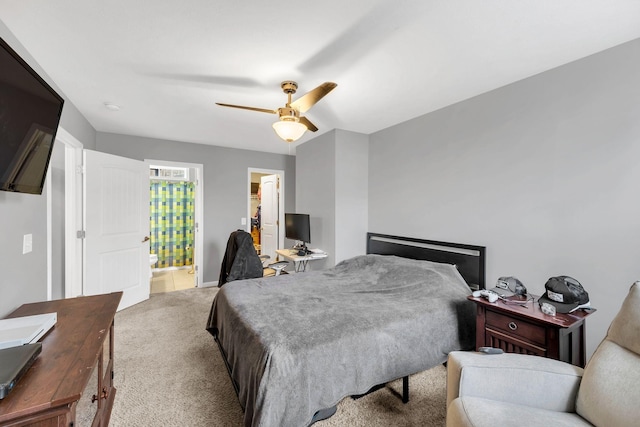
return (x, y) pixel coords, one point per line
(30, 112)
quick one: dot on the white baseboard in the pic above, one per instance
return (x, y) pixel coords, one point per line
(209, 284)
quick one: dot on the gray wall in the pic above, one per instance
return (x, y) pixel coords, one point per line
(351, 194)
(315, 192)
(332, 187)
(544, 172)
(24, 277)
(225, 183)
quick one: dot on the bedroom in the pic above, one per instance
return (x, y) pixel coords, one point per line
(543, 172)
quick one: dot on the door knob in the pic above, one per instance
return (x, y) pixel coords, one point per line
(146, 239)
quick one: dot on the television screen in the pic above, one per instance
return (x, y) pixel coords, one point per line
(30, 112)
(296, 227)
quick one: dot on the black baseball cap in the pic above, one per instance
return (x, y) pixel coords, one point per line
(565, 293)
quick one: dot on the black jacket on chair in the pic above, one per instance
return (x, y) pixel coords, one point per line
(240, 259)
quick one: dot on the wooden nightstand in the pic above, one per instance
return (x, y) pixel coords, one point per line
(516, 329)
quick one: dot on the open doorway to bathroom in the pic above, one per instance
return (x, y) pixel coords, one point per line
(175, 213)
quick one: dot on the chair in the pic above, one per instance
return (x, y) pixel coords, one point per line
(241, 261)
(524, 390)
(273, 269)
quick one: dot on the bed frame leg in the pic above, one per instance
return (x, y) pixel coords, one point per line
(405, 389)
(226, 363)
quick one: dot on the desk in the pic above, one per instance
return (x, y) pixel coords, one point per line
(299, 262)
(71, 381)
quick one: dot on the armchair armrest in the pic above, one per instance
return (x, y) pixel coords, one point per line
(515, 378)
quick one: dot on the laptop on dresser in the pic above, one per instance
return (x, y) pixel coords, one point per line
(26, 329)
(14, 363)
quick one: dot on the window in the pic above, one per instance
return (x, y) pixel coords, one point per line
(169, 173)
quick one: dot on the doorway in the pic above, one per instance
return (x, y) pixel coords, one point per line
(69, 215)
(175, 220)
(269, 236)
(70, 218)
(66, 216)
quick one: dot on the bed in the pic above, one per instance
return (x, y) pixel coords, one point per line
(295, 345)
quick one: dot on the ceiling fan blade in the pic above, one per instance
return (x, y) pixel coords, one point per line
(262, 110)
(306, 101)
(308, 124)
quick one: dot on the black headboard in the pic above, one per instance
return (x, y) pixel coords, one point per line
(468, 259)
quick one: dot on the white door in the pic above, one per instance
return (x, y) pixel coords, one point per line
(269, 215)
(117, 227)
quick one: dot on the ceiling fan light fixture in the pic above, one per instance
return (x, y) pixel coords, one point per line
(289, 130)
(292, 125)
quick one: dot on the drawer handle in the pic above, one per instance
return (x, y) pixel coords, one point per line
(103, 395)
(513, 326)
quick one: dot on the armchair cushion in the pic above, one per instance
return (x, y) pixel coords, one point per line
(514, 378)
(610, 389)
(479, 412)
(625, 328)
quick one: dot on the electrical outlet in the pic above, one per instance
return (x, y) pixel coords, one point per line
(27, 243)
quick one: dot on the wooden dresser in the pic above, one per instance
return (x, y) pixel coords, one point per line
(527, 330)
(71, 382)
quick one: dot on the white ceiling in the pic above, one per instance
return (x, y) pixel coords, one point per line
(167, 62)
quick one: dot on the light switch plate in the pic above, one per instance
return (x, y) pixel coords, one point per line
(27, 243)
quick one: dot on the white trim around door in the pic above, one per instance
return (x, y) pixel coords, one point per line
(73, 170)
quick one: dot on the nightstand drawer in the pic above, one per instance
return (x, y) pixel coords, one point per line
(517, 327)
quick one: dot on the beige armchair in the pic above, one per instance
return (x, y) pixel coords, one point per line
(515, 389)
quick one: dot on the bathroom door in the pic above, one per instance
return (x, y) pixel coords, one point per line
(116, 222)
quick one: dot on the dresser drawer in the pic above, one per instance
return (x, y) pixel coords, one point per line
(517, 327)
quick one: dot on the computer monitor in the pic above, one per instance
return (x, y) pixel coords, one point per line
(296, 227)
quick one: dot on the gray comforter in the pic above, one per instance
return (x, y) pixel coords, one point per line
(299, 343)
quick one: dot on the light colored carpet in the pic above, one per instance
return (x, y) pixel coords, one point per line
(169, 372)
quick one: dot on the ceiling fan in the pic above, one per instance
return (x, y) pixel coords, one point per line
(292, 125)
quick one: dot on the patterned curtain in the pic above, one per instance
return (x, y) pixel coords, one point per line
(172, 222)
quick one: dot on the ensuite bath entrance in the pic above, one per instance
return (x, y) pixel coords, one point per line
(173, 226)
